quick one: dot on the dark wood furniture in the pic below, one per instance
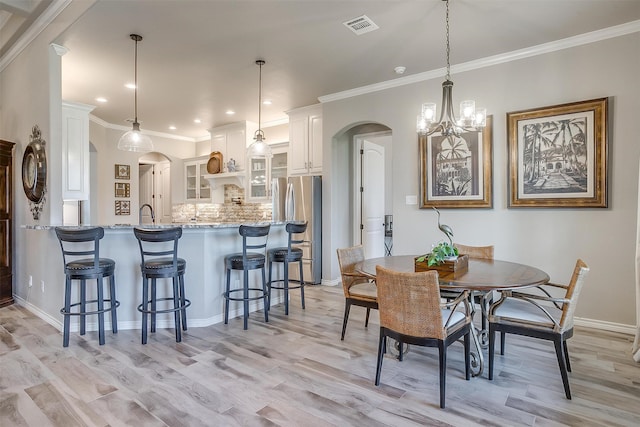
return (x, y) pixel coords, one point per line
(6, 223)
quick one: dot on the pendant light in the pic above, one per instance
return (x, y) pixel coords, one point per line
(471, 120)
(134, 140)
(259, 148)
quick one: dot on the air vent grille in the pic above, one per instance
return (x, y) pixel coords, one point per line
(361, 24)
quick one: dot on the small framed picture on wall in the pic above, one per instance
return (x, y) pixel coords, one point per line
(123, 172)
(122, 189)
(123, 207)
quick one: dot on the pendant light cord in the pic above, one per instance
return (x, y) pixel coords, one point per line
(135, 82)
(448, 49)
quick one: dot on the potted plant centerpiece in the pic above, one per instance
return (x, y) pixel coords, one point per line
(443, 254)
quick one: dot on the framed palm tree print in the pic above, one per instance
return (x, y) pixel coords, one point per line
(455, 171)
(558, 156)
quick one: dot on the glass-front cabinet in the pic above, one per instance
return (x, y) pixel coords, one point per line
(197, 187)
(261, 171)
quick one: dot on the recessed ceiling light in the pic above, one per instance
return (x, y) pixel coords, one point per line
(267, 102)
(400, 69)
(197, 121)
(101, 99)
(230, 112)
(130, 86)
(172, 127)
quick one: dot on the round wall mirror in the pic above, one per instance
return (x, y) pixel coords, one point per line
(34, 168)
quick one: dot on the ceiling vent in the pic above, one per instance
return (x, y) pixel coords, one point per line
(361, 24)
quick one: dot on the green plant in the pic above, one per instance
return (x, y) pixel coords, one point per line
(439, 253)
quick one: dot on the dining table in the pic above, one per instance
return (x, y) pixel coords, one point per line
(481, 275)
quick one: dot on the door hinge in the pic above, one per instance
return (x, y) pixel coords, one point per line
(362, 189)
(361, 226)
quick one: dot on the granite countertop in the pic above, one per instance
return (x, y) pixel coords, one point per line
(187, 225)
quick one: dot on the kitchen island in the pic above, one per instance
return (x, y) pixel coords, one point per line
(203, 246)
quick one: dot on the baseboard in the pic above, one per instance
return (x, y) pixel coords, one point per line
(39, 313)
(605, 326)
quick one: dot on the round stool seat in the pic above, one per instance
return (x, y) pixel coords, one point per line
(85, 267)
(254, 261)
(163, 267)
(280, 254)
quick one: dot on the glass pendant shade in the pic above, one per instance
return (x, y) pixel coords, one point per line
(259, 148)
(134, 140)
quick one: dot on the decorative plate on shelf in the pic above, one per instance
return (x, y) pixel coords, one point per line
(214, 165)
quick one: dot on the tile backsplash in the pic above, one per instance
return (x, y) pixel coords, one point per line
(234, 209)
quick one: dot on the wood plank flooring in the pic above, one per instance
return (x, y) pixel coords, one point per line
(295, 371)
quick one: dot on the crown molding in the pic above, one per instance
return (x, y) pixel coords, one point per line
(108, 125)
(33, 31)
(569, 42)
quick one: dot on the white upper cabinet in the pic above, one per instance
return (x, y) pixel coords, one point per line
(232, 141)
(262, 170)
(305, 141)
(75, 150)
(197, 187)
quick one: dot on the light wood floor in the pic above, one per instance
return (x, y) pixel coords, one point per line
(295, 371)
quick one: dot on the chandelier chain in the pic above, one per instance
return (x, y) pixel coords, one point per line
(448, 49)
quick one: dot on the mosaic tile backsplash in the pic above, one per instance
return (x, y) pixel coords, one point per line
(234, 209)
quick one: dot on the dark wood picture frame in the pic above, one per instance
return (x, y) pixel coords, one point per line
(122, 189)
(558, 155)
(123, 172)
(457, 173)
(123, 207)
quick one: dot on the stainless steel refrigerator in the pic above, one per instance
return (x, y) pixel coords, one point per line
(299, 198)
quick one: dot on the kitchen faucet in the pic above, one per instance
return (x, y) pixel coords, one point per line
(153, 218)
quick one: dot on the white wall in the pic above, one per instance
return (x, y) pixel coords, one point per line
(551, 239)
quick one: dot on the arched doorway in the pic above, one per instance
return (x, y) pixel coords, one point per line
(154, 173)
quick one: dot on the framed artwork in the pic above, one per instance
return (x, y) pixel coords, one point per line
(558, 156)
(123, 207)
(455, 172)
(123, 172)
(122, 189)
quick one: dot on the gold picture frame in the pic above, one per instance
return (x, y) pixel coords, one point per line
(558, 156)
(123, 172)
(122, 189)
(456, 172)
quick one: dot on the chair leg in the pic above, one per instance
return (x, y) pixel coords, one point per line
(67, 310)
(145, 307)
(268, 306)
(286, 287)
(566, 355)
(563, 366)
(366, 319)
(347, 307)
(112, 295)
(265, 292)
(301, 285)
(246, 298)
(442, 350)
(226, 299)
(153, 305)
(83, 306)
(503, 338)
(100, 285)
(492, 342)
(176, 314)
(467, 356)
(183, 302)
(382, 344)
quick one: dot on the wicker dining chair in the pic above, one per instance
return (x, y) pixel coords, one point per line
(411, 313)
(538, 314)
(359, 289)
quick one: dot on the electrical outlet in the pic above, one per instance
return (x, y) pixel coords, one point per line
(42, 285)
(30, 281)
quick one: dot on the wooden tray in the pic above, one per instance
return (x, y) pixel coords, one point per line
(459, 265)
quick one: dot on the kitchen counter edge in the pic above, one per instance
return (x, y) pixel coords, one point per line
(191, 225)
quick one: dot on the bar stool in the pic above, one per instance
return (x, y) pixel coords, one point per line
(254, 237)
(286, 255)
(159, 254)
(81, 258)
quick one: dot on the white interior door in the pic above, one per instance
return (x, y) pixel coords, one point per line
(163, 193)
(146, 191)
(372, 196)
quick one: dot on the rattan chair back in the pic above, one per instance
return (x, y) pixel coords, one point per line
(478, 252)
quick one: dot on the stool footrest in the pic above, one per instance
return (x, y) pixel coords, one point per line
(260, 290)
(187, 303)
(298, 286)
(111, 307)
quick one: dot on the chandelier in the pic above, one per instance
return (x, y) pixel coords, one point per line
(134, 140)
(471, 120)
(259, 148)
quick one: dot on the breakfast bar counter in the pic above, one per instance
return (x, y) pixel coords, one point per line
(203, 246)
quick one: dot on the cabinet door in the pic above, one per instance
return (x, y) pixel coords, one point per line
(219, 143)
(279, 165)
(204, 192)
(315, 144)
(298, 145)
(75, 151)
(237, 147)
(258, 178)
(191, 181)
